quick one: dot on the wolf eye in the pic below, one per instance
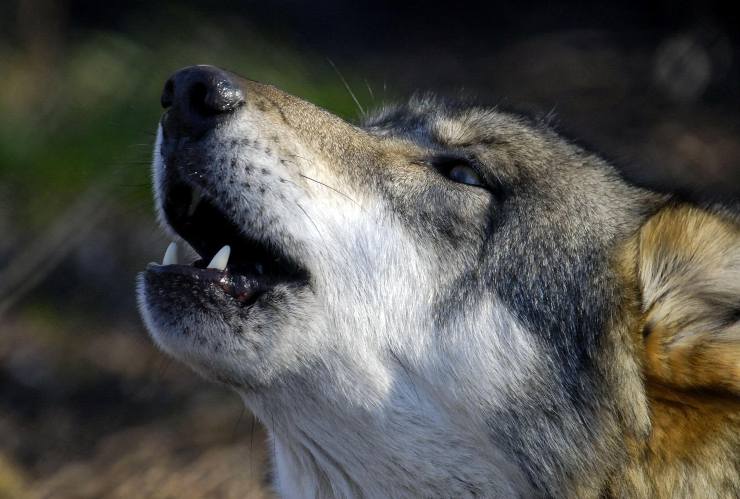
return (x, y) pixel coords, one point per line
(464, 174)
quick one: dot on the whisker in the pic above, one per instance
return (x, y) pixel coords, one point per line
(346, 85)
(252, 430)
(238, 422)
(251, 441)
(407, 371)
(311, 220)
(332, 188)
(369, 90)
(274, 446)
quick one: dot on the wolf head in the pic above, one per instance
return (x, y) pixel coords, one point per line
(445, 300)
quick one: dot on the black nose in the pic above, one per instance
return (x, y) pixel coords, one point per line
(197, 98)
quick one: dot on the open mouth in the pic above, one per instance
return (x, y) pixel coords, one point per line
(243, 267)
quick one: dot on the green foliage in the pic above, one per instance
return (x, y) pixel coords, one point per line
(86, 111)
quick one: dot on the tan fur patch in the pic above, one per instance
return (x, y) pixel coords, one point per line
(685, 263)
(689, 271)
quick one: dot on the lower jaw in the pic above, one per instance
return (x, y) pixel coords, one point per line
(245, 289)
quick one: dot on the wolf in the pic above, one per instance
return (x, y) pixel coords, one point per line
(444, 300)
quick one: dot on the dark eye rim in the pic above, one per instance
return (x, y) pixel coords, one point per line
(444, 165)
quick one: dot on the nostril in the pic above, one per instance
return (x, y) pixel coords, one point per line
(198, 100)
(168, 94)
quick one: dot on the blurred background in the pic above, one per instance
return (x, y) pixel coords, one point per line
(88, 407)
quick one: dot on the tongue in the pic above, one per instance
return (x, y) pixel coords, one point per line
(243, 288)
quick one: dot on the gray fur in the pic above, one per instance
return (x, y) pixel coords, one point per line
(450, 341)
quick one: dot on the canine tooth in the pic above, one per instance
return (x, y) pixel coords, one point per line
(220, 259)
(195, 197)
(259, 268)
(171, 255)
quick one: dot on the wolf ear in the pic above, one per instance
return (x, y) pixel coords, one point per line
(689, 276)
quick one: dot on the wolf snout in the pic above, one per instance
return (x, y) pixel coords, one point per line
(197, 98)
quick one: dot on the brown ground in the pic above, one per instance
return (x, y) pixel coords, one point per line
(116, 419)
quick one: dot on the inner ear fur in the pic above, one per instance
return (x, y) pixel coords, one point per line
(688, 272)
